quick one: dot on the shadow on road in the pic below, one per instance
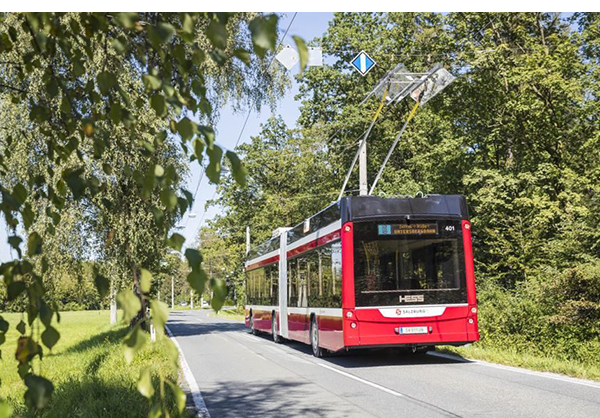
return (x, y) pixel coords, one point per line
(185, 329)
(372, 357)
(273, 398)
(384, 357)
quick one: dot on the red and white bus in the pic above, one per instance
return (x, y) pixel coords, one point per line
(368, 272)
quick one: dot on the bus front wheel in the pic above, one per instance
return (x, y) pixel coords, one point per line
(314, 338)
(276, 337)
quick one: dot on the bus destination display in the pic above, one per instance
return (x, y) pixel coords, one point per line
(412, 229)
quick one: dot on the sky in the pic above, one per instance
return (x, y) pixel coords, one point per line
(229, 128)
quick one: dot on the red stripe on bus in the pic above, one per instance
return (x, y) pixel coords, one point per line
(263, 262)
(303, 248)
(325, 239)
(332, 236)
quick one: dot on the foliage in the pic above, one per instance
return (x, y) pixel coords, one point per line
(99, 114)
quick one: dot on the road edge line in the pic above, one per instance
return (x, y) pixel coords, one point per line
(202, 410)
(547, 375)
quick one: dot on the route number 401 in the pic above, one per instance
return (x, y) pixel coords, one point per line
(450, 228)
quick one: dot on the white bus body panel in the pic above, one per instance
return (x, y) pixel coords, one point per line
(283, 313)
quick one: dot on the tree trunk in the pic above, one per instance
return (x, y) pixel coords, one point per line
(113, 303)
(142, 316)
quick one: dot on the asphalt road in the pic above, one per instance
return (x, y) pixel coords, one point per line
(241, 375)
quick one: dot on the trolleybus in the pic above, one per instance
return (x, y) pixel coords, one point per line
(368, 272)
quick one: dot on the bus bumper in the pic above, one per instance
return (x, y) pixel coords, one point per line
(370, 328)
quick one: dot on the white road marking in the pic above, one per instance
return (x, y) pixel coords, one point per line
(191, 381)
(547, 375)
(366, 382)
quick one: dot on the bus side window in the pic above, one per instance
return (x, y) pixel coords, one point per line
(336, 266)
(326, 275)
(302, 282)
(274, 284)
(261, 281)
(252, 277)
(267, 285)
(314, 280)
(253, 291)
(248, 298)
(257, 285)
(292, 272)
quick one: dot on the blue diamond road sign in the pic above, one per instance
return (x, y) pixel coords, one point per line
(363, 63)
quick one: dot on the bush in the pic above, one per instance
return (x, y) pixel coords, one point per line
(554, 313)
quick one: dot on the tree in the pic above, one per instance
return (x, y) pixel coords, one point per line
(289, 179)
(83, 90)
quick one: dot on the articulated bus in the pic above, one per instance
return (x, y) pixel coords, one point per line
(368, 272)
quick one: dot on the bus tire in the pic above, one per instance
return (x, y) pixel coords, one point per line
(253, 330)
(314, 338)
(276, 337)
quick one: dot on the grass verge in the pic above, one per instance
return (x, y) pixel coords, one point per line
(90, 375)
(528, 361)
(236, 313)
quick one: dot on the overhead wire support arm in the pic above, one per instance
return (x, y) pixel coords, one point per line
(389, 154)
(361, 146)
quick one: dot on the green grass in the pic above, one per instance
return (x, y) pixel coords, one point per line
(528, 361)
(236, 314)
(87, 368)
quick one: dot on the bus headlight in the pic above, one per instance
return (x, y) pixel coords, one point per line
(474, 310)
(353, 325)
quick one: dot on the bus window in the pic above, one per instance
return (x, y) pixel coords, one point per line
(292, 273)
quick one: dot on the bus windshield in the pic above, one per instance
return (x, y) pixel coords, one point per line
(409, 263)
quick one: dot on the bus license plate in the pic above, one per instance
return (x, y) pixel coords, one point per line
(413, 330)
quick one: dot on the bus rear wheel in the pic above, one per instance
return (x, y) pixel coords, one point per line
(276, 336)
(314, 338)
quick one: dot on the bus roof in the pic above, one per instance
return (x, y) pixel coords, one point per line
(358, 208)
(361, 208)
